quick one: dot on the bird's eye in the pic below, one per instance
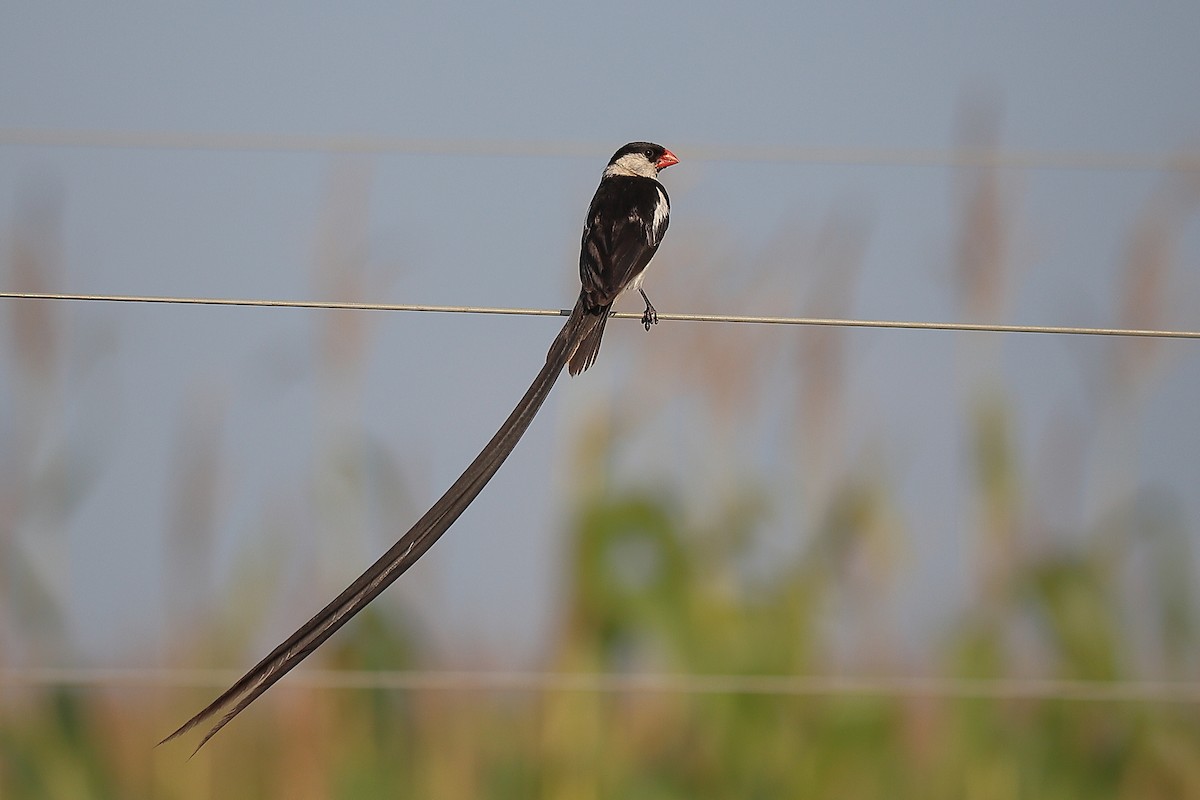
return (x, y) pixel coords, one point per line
(649, 154)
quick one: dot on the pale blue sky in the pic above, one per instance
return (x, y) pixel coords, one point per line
(490, 230)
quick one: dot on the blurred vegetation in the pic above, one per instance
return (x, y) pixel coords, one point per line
(652, 586)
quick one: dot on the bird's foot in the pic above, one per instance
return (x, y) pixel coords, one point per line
(649, 316)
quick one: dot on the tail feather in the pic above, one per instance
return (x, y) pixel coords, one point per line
(577, 343)
(589, 336)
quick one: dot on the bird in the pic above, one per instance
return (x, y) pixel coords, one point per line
(626, 221)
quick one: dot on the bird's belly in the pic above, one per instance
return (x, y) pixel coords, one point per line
(636, 283)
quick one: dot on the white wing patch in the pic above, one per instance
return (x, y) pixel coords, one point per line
(662, 210)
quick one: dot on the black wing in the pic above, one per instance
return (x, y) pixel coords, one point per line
(625, 224)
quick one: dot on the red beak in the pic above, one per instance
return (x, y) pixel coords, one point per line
(666, 159)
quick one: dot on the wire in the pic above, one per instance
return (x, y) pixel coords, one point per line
(874, 156)
(605, 683)
(546, 312)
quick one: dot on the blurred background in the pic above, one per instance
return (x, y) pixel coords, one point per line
(750, 561)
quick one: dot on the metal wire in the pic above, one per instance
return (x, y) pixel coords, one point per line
(546, 312)
(283, 143)
(608, 683)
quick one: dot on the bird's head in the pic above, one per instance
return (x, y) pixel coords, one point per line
(640, 159)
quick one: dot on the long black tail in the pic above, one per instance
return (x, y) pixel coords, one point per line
(580, 326)
(589, 336)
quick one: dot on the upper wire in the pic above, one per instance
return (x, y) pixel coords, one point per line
(868, 156)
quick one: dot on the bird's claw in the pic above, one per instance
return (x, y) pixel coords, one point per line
(649, 316)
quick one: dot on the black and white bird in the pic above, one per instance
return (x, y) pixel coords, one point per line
(624, 227)
(625, 224)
